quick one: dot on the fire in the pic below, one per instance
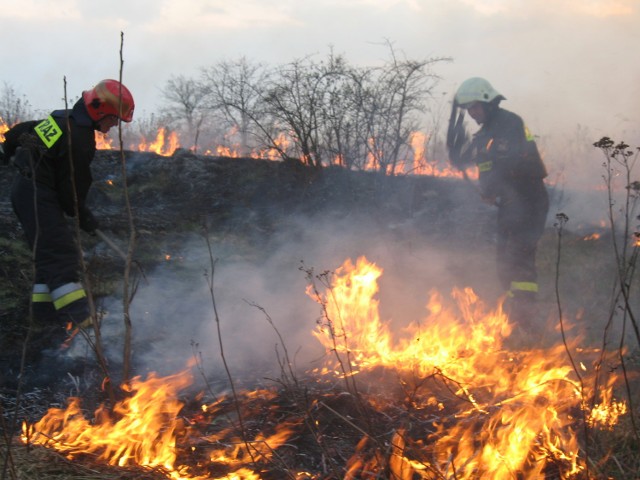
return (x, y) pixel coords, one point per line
(516, 411)
(142, 430)
(3, 129)
(103, 142)
(481, 410)
(417, 165)
(422, 165)
(161, 145)
(145, 428)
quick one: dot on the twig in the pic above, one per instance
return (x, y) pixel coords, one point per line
(212, 262)
(287, 360)
(346, 420)
(127, 292)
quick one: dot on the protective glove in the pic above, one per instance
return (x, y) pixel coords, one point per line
(88, 222)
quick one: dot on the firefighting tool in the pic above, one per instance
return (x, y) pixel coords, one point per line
(456, 136)
(456, 139)
(109, 97)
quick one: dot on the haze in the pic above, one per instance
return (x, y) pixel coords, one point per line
(560, 63)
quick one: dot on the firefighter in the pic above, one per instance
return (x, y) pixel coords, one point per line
(511, 173)
(53, 158)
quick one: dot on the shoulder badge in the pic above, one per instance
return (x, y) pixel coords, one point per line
(48, 131)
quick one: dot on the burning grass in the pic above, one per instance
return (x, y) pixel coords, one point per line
(317, 432)
(48, 464)
(444, 399)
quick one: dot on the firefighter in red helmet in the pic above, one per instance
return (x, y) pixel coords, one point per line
(511, 173)
(53, 158)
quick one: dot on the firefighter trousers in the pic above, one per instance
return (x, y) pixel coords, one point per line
(521, 223)
(57, 293)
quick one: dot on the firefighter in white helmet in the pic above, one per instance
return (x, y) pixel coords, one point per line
(511, 174)
(53, 157)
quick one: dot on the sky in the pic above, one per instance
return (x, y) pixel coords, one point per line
(570, 68)
(559, 63)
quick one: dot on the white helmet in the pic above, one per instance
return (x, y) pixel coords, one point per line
(476, 89)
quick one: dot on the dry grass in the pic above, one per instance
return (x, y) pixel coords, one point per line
(40, 463)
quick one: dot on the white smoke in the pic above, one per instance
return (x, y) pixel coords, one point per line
(173, 316)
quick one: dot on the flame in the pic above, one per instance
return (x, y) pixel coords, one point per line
(161, 145)
(142, 431)
(103, 142)
(516, 410)
(231, 148)
(423, 166)
(226, 152)
(3, 129)
(145, 428)
(494, 413)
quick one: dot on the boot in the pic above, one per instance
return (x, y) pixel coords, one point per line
(523, 314)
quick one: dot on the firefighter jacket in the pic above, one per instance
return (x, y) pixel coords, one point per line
(62, 147)
(507, 157)
(510, 175)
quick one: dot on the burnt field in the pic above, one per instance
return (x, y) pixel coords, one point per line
(247, 327)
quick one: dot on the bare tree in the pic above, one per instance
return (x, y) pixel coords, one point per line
(14, 108)
(313, 101)
(235, 92)
(339, 123)
(186, 98)
(331, 112)
(356, 117)
(390, 99)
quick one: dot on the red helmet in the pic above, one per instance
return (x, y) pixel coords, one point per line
(109, 97)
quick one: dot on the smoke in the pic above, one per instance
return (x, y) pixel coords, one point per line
(260, 295)
(259, 280)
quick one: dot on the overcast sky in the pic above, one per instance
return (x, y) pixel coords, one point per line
(560, 63)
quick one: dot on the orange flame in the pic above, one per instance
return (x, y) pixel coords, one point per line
(519, 408)
(515, 412)
(161, 145)
(144, 430)
(3, 129)
(418, 164)
(103, 142)
(139, 436)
